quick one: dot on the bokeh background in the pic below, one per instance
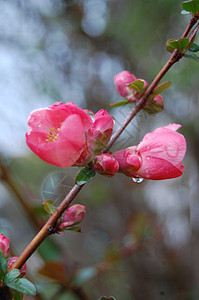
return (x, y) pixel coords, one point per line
(138, 241)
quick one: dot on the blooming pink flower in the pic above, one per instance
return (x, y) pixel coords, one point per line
(4, 245)
(106, 164)
(23, 269)
(158, 156)
(73, 215)
(121, 80)
(65, 135)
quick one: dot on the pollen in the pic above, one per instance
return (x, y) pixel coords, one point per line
(53, 134)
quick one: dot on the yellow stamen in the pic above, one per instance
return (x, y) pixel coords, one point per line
(53, 134)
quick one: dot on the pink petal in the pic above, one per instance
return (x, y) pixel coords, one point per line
(164, 143)
(157, 169)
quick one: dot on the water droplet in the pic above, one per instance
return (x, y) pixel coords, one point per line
(138, 179)
(148, 157)
(172, 149)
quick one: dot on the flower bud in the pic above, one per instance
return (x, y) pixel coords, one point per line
(99, 134)
(73, 215)
(129, 161)
(121, 80)
(155, 105)
(4, 245)
(106, 164)
(23, 269)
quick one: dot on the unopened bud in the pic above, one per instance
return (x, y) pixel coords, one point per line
(106, 164)
(121, 80)
(100, 132)
(73, 215)
(129, 161)
(4, 245)
(155, 105)
(23, 269)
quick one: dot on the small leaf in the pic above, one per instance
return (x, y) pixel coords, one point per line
(2, 275)
(84, 275)
(180, 44)
(73, 228)
(119, 103)
(192, 56)
(84, 175)
(10, 276)
(17, 295)
(194, 48)
(160, 88)
(3, 263)
(49, 206)
(137, 85)
(191, 6)
(22, 285)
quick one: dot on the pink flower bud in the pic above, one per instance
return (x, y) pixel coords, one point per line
(158, 156)
(100, 132)
(159, 101)
(23, 269)
(155, 105)
(4, 245)
(106, 164)
(121, 80)
(73, 215)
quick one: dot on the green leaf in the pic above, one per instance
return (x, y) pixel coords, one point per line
(49, 206)
(22, 285)
(119, 103)
(180, 44)
(137, 85)
(194, 48)
(192, 56)
(160, 88)
(84, 275)
(73, 228)
(1, 274)
(10, 276)
(191, 6)
(3, 263)
(17, 295)
(84, 175)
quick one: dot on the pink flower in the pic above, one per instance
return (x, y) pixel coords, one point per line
(23, 269)
(121, 80)
(73, 215)
(65, 135)
(100, 132)
(57, 133)
(158, 156)
(106, 164)
(4, 245)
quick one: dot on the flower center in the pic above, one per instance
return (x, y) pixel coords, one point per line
(53, 134)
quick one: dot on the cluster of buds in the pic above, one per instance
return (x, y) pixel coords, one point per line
(5, 250)
(122, 83)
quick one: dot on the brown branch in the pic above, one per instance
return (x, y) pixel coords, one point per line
(50, 226)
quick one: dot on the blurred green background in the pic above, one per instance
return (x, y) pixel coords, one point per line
(138, 241)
